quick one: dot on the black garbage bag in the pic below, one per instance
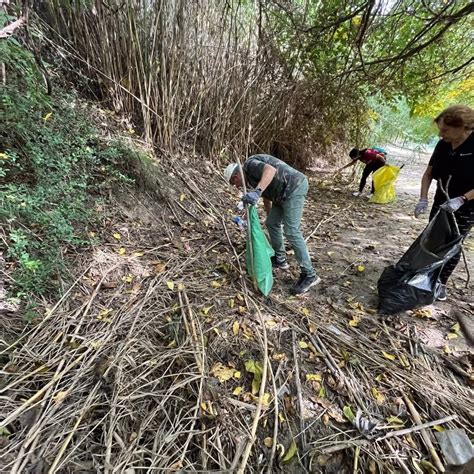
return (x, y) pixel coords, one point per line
(414, 280)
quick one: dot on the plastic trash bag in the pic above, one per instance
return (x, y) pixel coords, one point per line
(384, 184)
(262, 253)
(414, 280)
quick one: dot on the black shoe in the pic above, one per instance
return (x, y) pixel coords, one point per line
(281, 264)
(304, 284)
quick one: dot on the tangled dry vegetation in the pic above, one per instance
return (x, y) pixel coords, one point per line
(161, 357)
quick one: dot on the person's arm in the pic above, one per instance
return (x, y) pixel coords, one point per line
(469, 195)
(381, 157)
(426, 182)
(268, 172)
(267, 176)
(453, 204)
(422, 204)
(352, 163)
(267, 204)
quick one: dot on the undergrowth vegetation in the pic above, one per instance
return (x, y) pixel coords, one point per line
(54, 168)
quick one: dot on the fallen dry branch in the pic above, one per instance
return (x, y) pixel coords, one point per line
(141, 365)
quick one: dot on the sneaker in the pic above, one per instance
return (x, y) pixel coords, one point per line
(356, 193)
(304, 284)
(442, 293)
(281, 264)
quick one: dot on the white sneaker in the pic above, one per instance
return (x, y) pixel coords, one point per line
(356, 193)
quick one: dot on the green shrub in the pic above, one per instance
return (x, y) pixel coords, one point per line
(51, 159)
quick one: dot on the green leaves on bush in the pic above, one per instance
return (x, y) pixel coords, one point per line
(51, 158)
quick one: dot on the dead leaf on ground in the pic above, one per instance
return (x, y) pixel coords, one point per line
(221, 372)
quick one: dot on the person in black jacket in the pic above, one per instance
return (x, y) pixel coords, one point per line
(452, 165)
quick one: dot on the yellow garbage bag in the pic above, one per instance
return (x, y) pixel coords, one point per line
(384, 184)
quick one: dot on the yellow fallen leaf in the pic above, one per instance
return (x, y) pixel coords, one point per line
(292, 450)
(96, 344)
(180, 286)
(216, 284)
(182, 197)
(237, 375)
(393, 420)
(59, 397)
(330, 253)
(235, 328)
(266, 399)
(122, 251)
(170, 285)
(348, 413)
(302, 344)
(455, 328)
(322, 392)
(279, 356)
(305, 311)
(237, 390)
(205, 310)
(231, 303)
(240, 297)
(172, 344)
(222, 372)
(127, 278)
(104, 313)
(314, 377)
(256, 369)
(404, 361)
(281, 417)
(388, 356)
(268, 442)
(423, 313)
(360, 268)
(207, 406)
(116, 236)
(3, 156)
(242, 309)
(451, 335)
(270, 323)
(379, 397)
(438, 428)
(354, 322)
(137, 254)
(47, 116)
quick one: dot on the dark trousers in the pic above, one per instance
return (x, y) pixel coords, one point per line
(370, 168)
(465, 220)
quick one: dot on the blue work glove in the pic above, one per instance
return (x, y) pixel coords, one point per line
(421, 207)
(242, 223)
(452, 205)
(252, 197)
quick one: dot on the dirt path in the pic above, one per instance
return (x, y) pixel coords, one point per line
(346, 232)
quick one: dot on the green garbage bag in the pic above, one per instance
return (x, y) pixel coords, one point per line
(262, 251)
